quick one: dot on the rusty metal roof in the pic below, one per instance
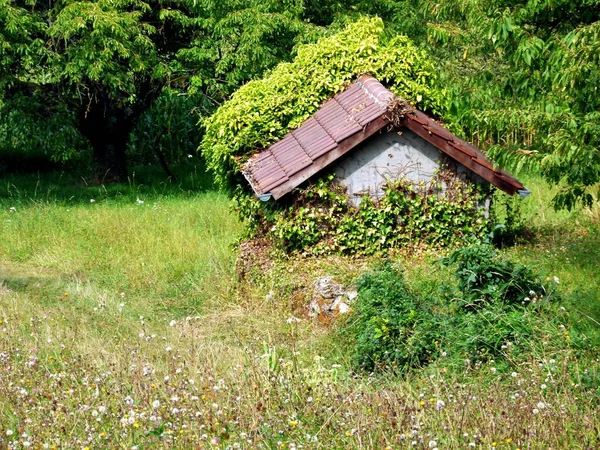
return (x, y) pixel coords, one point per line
(341, 124)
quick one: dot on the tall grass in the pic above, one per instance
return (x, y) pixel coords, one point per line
(122, 324)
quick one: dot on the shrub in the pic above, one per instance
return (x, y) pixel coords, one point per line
(391, 326)
(485, 278)
(487, 315)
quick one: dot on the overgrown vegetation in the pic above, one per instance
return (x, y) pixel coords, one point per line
(121, 325)
(264, 110)
(122, 322)
(322, 220)
(499, 309)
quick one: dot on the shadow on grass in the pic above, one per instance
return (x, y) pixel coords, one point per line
(71, 188)
(22, 280)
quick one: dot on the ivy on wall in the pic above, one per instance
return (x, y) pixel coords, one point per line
(320, 219)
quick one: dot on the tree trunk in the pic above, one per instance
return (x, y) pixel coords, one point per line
(107, 128)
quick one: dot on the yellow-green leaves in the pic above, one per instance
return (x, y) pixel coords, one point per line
(263, 111)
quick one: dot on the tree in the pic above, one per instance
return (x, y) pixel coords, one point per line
(523, 80)
(96, 66)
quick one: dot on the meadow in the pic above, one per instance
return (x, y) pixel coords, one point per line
(126, 322)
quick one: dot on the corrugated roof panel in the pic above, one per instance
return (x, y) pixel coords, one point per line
(369, 114)
(345, 115)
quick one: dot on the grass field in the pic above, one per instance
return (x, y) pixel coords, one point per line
(123, 325)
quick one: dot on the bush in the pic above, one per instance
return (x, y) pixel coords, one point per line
(391, 326)
(498, 310)
(484, 278)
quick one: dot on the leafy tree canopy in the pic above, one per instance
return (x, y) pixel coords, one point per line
(86, 71)
(523, 81)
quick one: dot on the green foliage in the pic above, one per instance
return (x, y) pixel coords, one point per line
(510, 226)
(263, 111)
(499, 309)
(94, 68)
(522, 78)
(391, 326)
(485, 278)
(322, 220)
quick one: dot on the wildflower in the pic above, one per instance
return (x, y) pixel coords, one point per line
(541, 405)
(535, 411)
(493, 370)
(155, 404)
(432, 444)
(556, 280)
(92, 200)
(168, 349)
(9, 432)
(552, 361)
(543, 386)
(293, 423)
(12, 209)
(190, 156)
(293, 320)
(439, 405)
(139, 202)
(128, 400)
(172, 323)
(508, 440)
(494, 444)
(26, 444)
(514, 374)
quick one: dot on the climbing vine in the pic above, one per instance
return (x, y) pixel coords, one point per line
(263, 111)
(321, 219)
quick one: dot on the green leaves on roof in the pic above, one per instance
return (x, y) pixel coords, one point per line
(263, 111)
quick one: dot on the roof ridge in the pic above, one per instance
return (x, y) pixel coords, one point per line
(365, 82)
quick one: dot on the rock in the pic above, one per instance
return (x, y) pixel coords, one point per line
(327, 288)
(351, 295)
(330, 299)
